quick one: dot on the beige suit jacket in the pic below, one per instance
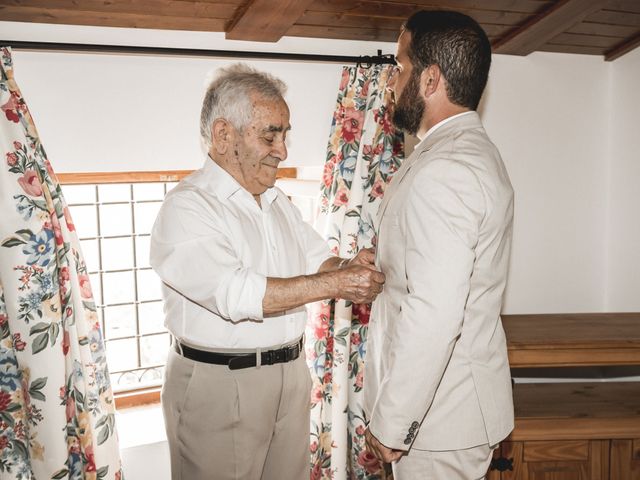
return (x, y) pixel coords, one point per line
(436, 371)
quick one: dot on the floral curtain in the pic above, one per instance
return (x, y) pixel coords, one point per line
(57, 417)
(363, 153)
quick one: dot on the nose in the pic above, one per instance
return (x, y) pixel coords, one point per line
(279, 150)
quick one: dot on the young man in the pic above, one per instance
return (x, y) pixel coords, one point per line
(437, 383)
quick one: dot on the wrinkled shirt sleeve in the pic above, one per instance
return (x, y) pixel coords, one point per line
(193, 254)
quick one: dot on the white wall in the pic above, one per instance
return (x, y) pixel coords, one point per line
(623, 229)
(548, 114)
(545, 114)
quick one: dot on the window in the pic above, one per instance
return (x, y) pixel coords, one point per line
(114, 222)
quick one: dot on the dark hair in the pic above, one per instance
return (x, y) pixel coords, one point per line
(458, 46)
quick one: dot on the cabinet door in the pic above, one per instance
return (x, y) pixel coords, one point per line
(625, 460)
(557, 460)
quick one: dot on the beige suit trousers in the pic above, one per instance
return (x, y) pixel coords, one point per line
(248, 424)
(468, 464)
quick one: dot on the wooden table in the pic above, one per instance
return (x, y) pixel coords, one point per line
(572, 340)
(572, 430)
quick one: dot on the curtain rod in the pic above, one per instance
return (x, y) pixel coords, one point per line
(196, 52)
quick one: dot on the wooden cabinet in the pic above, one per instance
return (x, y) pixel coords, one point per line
(572, 430)
(625, 459)
(566, 460)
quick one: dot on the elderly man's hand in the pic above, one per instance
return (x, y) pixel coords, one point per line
(382, 453)
(365, 257)
(359, 283)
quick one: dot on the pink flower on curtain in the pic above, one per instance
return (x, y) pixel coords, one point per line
(30, 183)
(12, 159)
(85, 286)
(369, 462)
(10, 109)
(351, 124)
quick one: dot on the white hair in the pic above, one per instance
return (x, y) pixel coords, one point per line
(229, 97)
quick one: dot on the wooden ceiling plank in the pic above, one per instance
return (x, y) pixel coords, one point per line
(266, 20)
(602, 29)
(615, 18)
(522, 6)
(585, 40)
(580, 49)
(337, 20)
(543, 27)
(196, 9)
(403, 11)
(344, 33)
(78, 17)
(624, 6)
(623, 48)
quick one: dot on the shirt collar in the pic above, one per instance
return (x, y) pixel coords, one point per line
(440, 124)
(225, 186)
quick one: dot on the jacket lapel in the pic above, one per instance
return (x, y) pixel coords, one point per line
(464, 122)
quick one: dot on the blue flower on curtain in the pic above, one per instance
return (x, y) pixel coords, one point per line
(364, 152)
(57, 416)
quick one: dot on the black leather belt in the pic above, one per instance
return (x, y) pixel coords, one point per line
(236, 361)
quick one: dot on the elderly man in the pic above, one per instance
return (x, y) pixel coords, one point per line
(238, 265)
(437, 383)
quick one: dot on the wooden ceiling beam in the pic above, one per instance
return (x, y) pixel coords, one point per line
(622, 48)
(541, 28)
(265, 20)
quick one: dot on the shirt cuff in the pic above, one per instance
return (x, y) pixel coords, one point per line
(258, 287)
(245, 300)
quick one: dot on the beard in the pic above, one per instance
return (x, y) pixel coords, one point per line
(409, 109)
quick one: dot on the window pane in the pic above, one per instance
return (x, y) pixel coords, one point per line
(145, 215)
(153, 350)
(151, 317)
(118, 287)
(90, 253)
(149, 285)
(124, 381)
(116, 192)
(142, 251)
(115, 220)
(148, 191)
(152, 376)
(119, 321)
(85, 220)
(79, 193)
(121, 354)
(117, 253)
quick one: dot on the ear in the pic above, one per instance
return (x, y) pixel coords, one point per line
(430, 80)
(221, 136)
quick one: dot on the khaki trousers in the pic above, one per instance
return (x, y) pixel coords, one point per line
(248, 424)
(468, 464)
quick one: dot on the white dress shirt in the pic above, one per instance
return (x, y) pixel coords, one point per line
(214, 247)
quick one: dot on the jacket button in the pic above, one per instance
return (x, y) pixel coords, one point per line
(407, 441)
(415, 425)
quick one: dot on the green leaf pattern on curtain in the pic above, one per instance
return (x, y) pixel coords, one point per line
(364, 152)
(57, 415)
